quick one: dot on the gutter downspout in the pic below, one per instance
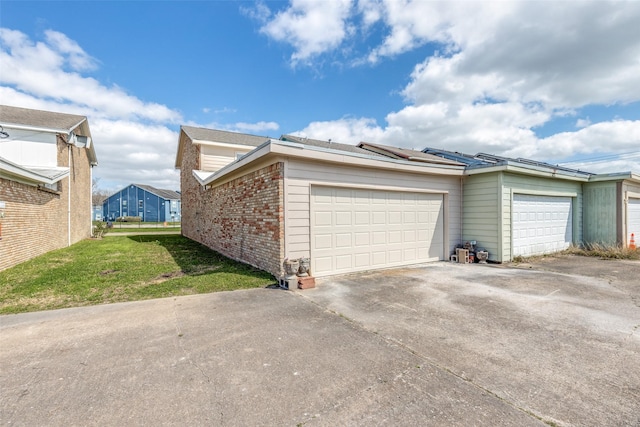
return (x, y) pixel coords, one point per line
(91, 200)
(461, 209)
(69, 202)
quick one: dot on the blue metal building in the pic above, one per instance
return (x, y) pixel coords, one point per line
(149, 203)
(96, 213)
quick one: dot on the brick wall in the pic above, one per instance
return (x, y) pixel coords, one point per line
(36, 221)
(242, 219)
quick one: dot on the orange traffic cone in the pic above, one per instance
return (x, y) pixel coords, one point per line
(632, 242)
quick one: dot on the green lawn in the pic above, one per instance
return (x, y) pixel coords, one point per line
(121, 268)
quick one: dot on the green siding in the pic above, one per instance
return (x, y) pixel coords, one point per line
(480, 212)
(600, 207)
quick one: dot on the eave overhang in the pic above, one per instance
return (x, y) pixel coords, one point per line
(278, 148)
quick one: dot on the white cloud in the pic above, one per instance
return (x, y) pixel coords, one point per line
(312, 27)
(503, 70)
(38, 69)
(134, 152)
(132, 139)
(345, 130)
(583, 123)
(78, 59)
(256, 127)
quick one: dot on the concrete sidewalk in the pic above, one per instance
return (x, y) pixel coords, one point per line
(258, 357)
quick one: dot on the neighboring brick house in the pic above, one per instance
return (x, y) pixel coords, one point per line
(348, 208)
(46, 162)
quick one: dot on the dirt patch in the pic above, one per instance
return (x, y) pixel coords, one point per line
(107, 272)
(166, 276)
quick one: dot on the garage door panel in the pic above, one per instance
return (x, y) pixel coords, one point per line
(343, 262)
(394, 217)
(409, 236)
(541, 224)
(378, 258)
(322, 196)
(343, 240)
(379, 237)
(633, 219)
(374, 229)
(343, 218)
(394, 237)
(394, 256)
(323, 241)
(379, 217)
(362, 218)
(409, 217)
(323, 219)
(323, 263)
(362, 260)
(362, 239)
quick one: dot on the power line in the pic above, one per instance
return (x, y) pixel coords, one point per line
(605, 158)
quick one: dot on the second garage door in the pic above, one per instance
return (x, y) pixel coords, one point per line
(357, 229)
(541, 224)
(633, 220)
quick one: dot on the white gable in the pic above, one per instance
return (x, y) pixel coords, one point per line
(29, 148)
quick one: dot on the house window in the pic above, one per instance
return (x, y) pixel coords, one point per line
(141, 204)
(124, 203)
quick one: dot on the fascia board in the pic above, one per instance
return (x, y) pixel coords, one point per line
(200, 177)
(627, 176)
(525, 171)
(10, 169)
(357, 159)
(84, 119)
(285, 148)
(37, 128)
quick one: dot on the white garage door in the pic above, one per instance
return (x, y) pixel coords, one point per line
(633, 220)
(356, 229)
(541, 224)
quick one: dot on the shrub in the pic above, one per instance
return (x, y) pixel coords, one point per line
(99, 229)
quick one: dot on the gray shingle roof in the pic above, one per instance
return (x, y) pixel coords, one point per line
(331, 145)
(164, 194)
(214, 135)
(39, 118)
(408, 154)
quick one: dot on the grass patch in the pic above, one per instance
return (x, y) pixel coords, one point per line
(604, 251)
(590, 250)
(120, 268)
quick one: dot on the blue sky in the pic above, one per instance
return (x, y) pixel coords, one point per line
(552, 81)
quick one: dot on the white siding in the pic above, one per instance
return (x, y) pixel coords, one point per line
(300, 175)
(213, 158)
(29, 148)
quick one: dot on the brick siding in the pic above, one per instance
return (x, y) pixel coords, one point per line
(36, 221)
(242, 219)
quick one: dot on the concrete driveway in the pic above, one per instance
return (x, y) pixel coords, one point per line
(559, 339)
(439, 344)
